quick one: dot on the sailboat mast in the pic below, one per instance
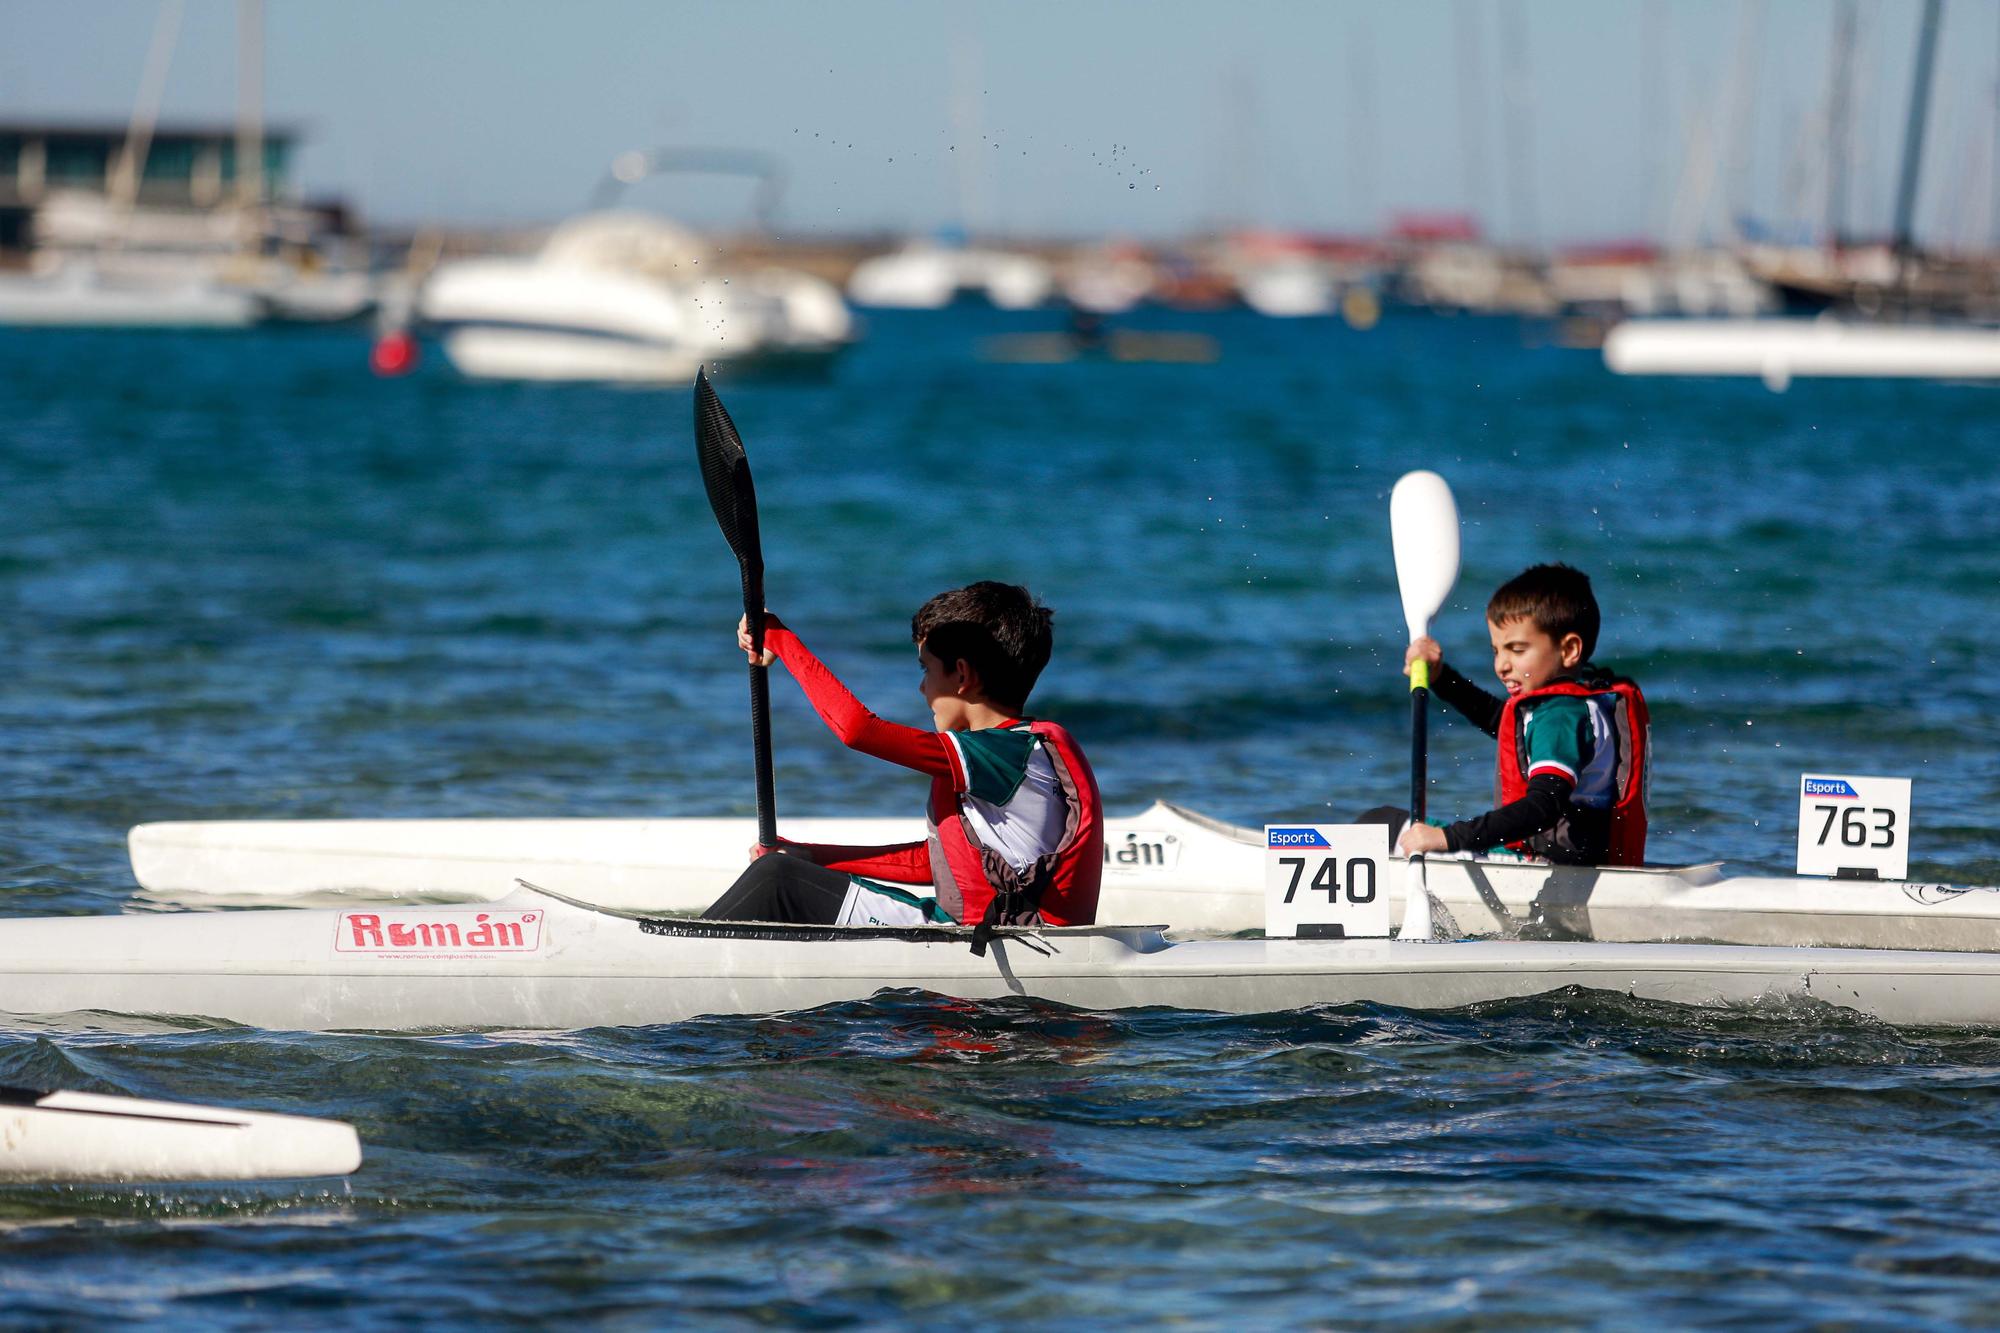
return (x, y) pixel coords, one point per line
(1737, 206)
(1994, 153)
(250, 103)
(1913, 135)
(131, 167)
(1840, 122)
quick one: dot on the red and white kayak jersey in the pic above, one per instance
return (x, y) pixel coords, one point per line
(1014, 811)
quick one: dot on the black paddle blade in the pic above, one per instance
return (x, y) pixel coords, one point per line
(725, 471)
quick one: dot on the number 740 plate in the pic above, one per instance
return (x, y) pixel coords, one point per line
(1326, 881)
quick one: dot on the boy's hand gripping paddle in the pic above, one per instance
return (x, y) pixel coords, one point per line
(725, 470)
(1423, 529)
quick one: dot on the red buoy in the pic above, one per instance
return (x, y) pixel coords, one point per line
(394, 353)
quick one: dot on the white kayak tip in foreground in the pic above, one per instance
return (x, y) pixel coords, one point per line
(89, 1138)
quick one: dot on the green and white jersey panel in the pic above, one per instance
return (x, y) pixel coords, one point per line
(1577, 738)
(870, 902)
(1012, 799)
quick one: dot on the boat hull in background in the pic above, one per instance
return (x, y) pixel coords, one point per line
(1162, 864)
(1777, 350)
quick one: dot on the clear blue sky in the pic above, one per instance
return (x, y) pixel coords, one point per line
(1089, 116)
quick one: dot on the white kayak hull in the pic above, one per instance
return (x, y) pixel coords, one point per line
(1162, 864)
(535, 963)
(87, 1137)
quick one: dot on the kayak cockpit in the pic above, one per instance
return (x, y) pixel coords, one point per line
(1139, 939)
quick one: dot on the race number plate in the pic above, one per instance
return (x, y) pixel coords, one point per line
(1854, 824)
(1326, 881)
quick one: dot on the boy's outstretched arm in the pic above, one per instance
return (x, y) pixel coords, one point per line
(845, 716)
(899, 863)
(925, 751)
(1473, 703)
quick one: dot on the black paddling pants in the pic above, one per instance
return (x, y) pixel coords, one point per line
(777, 887)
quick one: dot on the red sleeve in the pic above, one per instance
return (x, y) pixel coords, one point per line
(858, 729)
(904, 863)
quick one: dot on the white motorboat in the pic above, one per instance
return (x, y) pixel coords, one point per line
(88, 1137)
(931, 277)
(1108, 280)
(78, 293)
(102, 265)
(534, 962)
(288, 293)
(1161, 864)
(1777, 350)
(84, 292)
(625, 297)
(1288, 288)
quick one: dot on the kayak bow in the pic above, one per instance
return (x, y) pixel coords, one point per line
(88, 1137)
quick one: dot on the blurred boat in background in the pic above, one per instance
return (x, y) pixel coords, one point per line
(1886, 311)
(1108, 279)
(1287, 289)
(621, 295)
(82, 294)
(97, 264)
(1638, 278)
(1777, 350)
(177, 225)
(924, 275)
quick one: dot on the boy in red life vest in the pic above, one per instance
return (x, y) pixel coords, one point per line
(1016, 833)
(1572, 777)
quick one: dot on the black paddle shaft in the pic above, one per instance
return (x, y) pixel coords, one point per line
(1419, 749)
(725, 471)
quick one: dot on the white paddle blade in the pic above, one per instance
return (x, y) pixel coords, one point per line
(1423, 527)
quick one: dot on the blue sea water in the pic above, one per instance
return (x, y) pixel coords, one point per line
(241, 578)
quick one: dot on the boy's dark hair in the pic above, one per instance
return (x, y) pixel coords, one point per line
(1556, 597)
(1000, 628)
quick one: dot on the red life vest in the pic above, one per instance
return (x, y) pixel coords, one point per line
(1632, 727)
(1057, 889)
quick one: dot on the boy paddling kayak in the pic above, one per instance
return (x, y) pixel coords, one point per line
(1015, 829)
(1571, 777)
